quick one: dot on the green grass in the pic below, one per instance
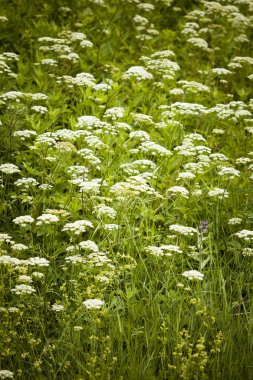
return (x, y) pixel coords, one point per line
(133, 174)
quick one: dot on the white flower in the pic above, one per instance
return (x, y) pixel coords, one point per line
(227, 170)
(5, 374)
(186, 175)
(77, 227)
(38, 275)
(137, 72)
(93, 303)
(221, 71)
(19, 247)
(198, 42)
(104, 211)
(5, 238)
(76, 259)
(245, 234)
(179, 190)
(115, 113)
(40, 261)
(193, 275)
(9, 168)
(111, 227)
(47, 219)
(163, 250)
(247, 251)
(49, 62)
(89, 244)
(235, 221)
(78, 328)
(13, 309)
(154, 149)
(23, 289)
(102, 87)
(217, 131)
(183, 230)
(23, 220)
(40, 109)
(25, 278)
(25, 134)
(176, 91)
(57, 307)
(217, 192)
(26, 183)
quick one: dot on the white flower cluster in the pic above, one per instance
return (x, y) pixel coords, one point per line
(228, 171)
(114, 113)
(102, 210)
(40, 109)
(19, 247)
(110, 227)
(163, 250)
(9, 169)
(193, 86)
(4, 373)
(26, 183)
(24, 134)
(32, 261)
(93, 303)
(78, 227)
(5, 238)
(139, 135)
(81, 79)
(183, 230)
(136, 167)
(23, 289)
(184, 109)
(57, 307)
(89, 187)
(49, 62)
(137, 72)
(219, 193)
(25, 278)
(154, 149)
(199, 43)
(193, 275)
(221, 71)
(235, 221)
(179, 190)
(247, 252)
(23, 220)
(245, 234)
(133, 186)
(47, 219)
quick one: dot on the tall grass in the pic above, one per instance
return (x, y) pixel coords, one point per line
(126, 190)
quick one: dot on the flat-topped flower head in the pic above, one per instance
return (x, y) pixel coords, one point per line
(137, 72)
(9, 169)
(23, 289)
(57, 307)
(24, 220)
(181, 190)
(235, 221)
(93, 303)
(245, 234)
(47, 219)
(5, 374)
(183, 230)
(78, 227)
(193, 275)
(219, 193)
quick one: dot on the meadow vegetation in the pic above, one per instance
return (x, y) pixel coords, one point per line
(126, 171)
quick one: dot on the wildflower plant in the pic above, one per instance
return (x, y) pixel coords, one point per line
(126, 172)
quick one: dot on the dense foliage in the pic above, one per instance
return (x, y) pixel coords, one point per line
(126, 170)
